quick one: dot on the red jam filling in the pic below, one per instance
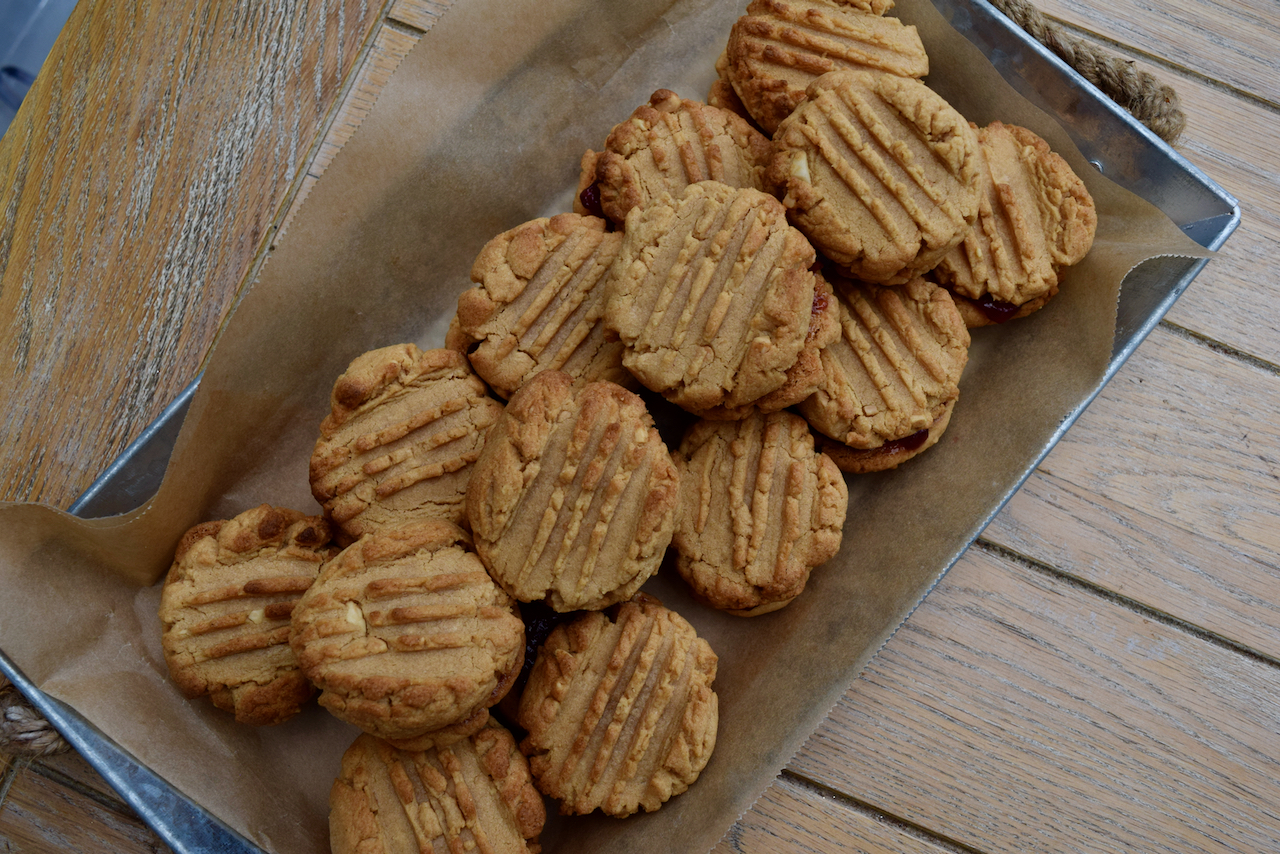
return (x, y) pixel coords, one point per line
(590, 198)
(907, 443)
(995, 310)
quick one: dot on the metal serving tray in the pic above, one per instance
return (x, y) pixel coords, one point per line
(1110, 138)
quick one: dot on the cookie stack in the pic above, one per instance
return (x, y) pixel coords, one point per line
(789, 272)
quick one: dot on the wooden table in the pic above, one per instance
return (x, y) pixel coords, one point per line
(1100, 672)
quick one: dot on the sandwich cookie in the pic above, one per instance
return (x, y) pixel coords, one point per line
(664, 147)
(397, 446)
(892, 377)
(470, 795)
(1035, 217)
(879, 172)
(759, 509)
(781, 46)
(573, 500)
(538, 304)
(226, 605)
(619, 710)
(712, 296)
(407, 637)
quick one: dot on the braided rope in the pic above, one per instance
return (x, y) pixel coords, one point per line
(23, 732)
(1151, 102)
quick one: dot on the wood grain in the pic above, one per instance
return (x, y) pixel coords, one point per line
(797, 818)
(1232, 42)
(1120, 694)
(44, 814)
(150, 172)
(1014, 712)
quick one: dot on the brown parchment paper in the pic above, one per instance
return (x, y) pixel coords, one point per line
(480, 129)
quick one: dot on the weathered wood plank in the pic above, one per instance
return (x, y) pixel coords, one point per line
(390, 46)
(41, 815)
(1017, 712)
(791, 817)
(1234, 42)
(1191, 437)
(1167, 491)
(137, 228)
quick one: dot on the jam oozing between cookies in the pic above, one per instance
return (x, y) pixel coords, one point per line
(995, 310)
(590, 198)
(906, 444)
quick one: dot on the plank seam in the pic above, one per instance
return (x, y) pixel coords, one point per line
(1164, 63)
(874, 813)
(1220, 348)
(103, 799)
(404, 27)
(1162, 617)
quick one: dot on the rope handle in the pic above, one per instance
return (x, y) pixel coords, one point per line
(1151, 102)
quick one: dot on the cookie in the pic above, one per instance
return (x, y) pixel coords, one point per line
(879, 172)
(1035, 217)
(572, 501)
(472, 795)
(722, 94)
(711, 295)
(781, 46)
(895, 368)
(405, 635)
(889, 455)
(225, 611)
(759, 509)
(398, 444)
(619, 710)
(537, 305)
(665, 146)
(803, 377)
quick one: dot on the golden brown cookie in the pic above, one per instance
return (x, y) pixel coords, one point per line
(722, 94)
(1035, 217)
(405, 635)
(891, 454)
(619, 709)
(471, 795)
(712, 296)
(759, 509)
(879, 172)
(537, 305)
(781, 46)
(805, 376)
(398, 444)
(667, 145)
(225, 610)
(895, 369)
(573, 500)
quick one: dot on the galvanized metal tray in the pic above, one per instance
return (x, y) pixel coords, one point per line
(1119, 146)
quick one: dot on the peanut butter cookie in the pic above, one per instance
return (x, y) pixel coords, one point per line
(895, 370)
(781, 46)
(1035, 217)
(538, 304)
(225, 611)
(470, 795)
(398, 445)
(879, 172)
(712, 296)
(759, 509)
(406, 635)
(573, 500)
(619, 710)
(667, 145)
